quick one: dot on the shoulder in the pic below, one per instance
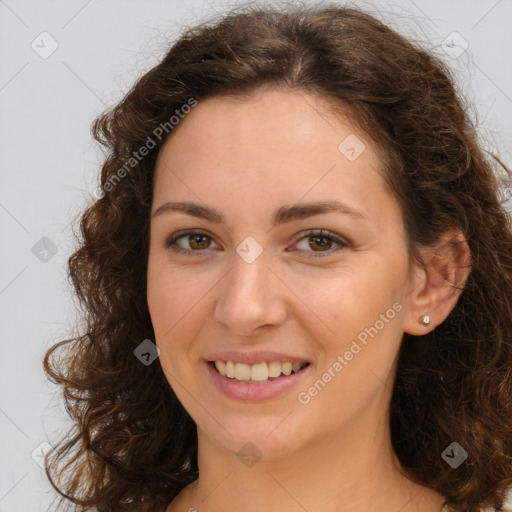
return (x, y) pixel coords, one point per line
(507, 507)
(182, 501)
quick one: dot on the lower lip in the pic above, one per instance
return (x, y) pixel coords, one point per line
(255, 392)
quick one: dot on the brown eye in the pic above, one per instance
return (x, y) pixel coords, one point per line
(320, 242)
(189, 242)
(198, 241)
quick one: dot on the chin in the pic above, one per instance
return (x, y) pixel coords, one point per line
(271, 438)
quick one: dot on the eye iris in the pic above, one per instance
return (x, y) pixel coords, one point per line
(323, 246)
(197, 238)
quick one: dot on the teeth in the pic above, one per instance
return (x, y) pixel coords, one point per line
(296, 367)
(230, 369)
(257, 372)
(286, 368)
(242, 371)
(274, 369)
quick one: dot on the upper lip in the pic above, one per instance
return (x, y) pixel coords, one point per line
(254, 357)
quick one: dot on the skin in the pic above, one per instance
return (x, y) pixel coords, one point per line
(246, 158)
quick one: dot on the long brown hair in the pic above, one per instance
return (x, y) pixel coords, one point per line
(133, 446)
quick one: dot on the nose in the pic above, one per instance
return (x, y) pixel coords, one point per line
(250, 298)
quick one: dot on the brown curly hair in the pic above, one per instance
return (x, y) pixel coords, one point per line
(133, 446)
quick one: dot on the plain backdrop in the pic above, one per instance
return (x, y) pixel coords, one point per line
(62, 64)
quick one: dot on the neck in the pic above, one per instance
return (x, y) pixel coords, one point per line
(354, 470)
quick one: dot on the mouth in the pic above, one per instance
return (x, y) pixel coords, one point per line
(259, 373)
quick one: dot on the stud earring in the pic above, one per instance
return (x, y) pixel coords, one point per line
(425, 320)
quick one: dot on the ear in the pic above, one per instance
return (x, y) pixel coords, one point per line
(437, 285)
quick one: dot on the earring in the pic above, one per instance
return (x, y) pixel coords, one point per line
(425, 320)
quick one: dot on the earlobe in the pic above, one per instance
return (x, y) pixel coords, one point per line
(438, 283)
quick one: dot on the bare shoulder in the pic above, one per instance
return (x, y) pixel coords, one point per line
(183, 501)
(173, 505)
(447, 508)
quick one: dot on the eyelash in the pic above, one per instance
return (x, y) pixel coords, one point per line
(308, 234)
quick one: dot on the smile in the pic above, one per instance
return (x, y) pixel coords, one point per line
(260, 372)
(246, 389)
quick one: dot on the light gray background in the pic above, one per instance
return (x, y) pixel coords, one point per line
(49, 165)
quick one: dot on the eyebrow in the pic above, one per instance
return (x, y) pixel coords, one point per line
(281, 215)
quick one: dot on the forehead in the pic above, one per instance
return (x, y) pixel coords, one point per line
(287, 115)
(273, 146)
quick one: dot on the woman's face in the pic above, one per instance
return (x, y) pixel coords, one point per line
(257, 282)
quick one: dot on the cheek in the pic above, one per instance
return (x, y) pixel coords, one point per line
(167, 296)
(346, 299)
(360, 305)
(177, 302)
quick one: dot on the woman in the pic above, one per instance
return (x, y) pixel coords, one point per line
(297, 283)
